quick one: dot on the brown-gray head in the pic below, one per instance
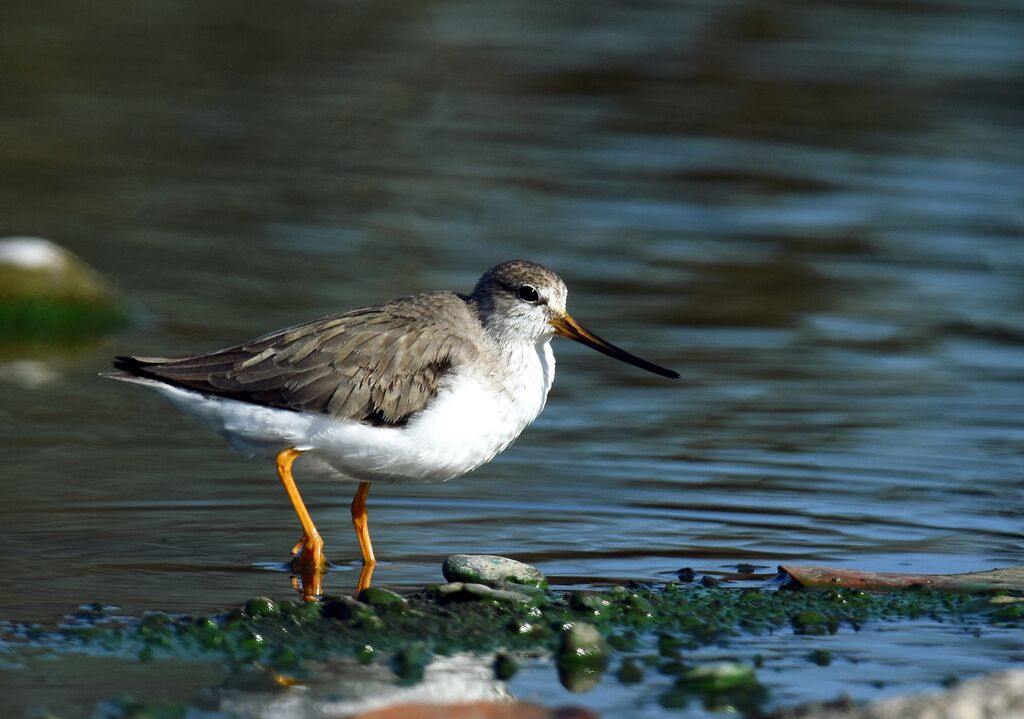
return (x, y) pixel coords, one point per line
(519, 300)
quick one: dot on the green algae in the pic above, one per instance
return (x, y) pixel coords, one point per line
(48, 320)
(288, 635)
(644, 634)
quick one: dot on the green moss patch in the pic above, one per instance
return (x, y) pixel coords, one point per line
(287, 635)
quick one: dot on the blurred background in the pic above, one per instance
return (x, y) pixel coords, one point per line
(812, 210)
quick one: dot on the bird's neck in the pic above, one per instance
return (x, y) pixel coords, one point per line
(527, 371)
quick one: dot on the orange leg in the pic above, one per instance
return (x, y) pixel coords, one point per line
(360, 522)
(312, 545)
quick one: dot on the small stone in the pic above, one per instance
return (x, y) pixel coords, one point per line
(259, 607)
(821, 657)
(670, 646)
(443, 590)
(716, 677)
(505, 667)
(411, 661)
(341, 608)
(470, 592)
(589, 602)
(581, 645)
(1005, 599)
(810, 622)
(305, 612)
(630, 672)
(382, 599)
(490, 570)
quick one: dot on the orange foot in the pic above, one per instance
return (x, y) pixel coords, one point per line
(308, 553)
(309, 566)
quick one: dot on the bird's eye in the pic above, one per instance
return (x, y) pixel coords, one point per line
(528, 293)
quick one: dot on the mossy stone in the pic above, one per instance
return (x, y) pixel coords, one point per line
(341, 607)
(821, 657)
(48, 294)
(505, 667)
(380, 598)
(630, 672)
(305, 612)
(582, 645)
(810, 622)
(491, 570)
(589, 602)
(260, 607)
(716, 677)
(411, 661)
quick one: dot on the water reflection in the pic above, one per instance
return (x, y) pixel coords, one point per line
(348, 689)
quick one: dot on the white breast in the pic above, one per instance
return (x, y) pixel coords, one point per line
(474, 417)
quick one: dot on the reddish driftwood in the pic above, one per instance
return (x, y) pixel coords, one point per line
(822, 577)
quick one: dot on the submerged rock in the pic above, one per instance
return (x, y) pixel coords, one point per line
(491, 570)
(47, 293)
(716, 677)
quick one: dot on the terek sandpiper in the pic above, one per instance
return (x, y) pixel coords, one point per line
(421, 389)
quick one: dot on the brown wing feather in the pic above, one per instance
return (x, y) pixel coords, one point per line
(378, 365)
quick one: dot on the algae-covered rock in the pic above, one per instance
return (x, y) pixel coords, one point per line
(505, 667)
(341, 607)
(582, 657)
(49, 294)
(592, 603)
(716, 677)
(258, 607)
(382, 599)
(491, 570)
(582, 645)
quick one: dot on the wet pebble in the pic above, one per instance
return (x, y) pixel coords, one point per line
(810, 622)
(259, 607)
(589, 602)
(505, 667)
(716, 677)
(341, 607)
(380, 598)
(582, 645)
(630, 672)
(410, 663)
(490, 570)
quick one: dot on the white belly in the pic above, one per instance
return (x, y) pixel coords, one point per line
(466, 425)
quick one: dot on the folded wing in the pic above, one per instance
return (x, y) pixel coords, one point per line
(378, 365)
